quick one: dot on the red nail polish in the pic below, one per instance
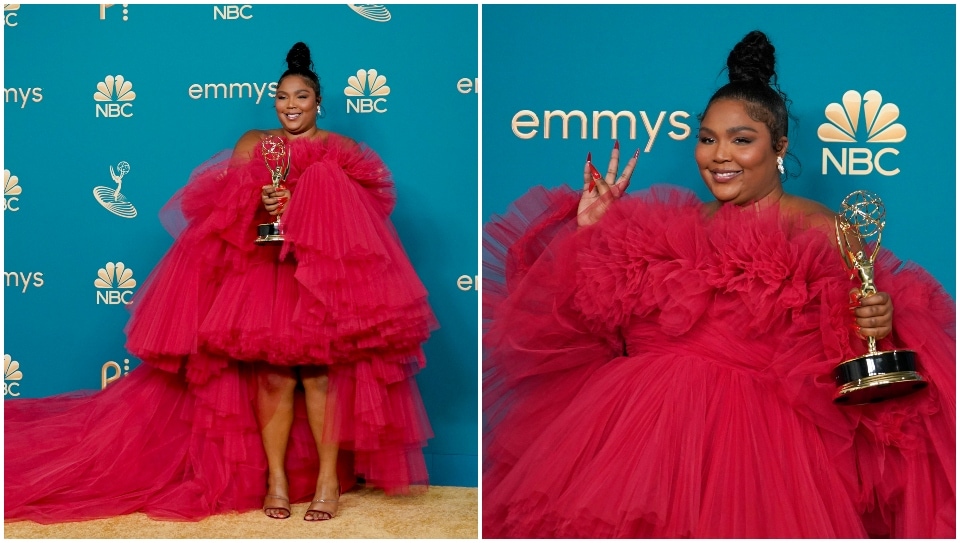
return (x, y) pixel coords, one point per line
(596, 174)
(588, 157)
(637, 154)
(616, 144)
(596, 177)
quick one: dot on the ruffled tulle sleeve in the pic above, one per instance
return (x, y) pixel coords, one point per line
(647, 257)
(187, 205)
(364, 166)
(537, 347)
(907, 447)
(211, 217)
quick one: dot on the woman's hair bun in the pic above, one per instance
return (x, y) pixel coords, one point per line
(299, 63)
(298, 58)
(752, 60)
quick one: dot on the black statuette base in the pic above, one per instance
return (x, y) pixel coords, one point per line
(876, 377)
(269, 234)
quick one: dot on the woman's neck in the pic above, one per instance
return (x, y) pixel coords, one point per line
(306, 134)
(770, 200)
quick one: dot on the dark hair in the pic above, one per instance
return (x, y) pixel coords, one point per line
(299, 63)
(753, 80)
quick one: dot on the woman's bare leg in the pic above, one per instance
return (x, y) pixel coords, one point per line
(315, 384)
(275, 390)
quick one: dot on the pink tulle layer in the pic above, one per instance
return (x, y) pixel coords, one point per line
(664, 374)
(178, 437)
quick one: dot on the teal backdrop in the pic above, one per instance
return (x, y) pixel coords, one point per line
(658, 65)
(144, 93)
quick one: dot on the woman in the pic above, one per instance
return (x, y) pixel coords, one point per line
(660, 367)
(212, 421)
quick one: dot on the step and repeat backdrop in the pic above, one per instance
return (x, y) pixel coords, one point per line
(872, 91)
(109, 107)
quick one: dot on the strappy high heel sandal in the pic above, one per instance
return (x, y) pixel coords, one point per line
(285, 510)
(324, 508)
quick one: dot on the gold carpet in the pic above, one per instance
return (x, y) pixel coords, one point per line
(442, 512)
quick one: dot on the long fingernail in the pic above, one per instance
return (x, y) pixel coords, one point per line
(596, 174)
(596, 177)
(588, 157)
(616, 144)
(635, 155)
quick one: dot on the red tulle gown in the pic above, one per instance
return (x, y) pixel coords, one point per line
(667, 374)
(178, 437)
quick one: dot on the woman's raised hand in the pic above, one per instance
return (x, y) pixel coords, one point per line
(599, 191)
(274, 198)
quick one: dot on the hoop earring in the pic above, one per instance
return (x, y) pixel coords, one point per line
(780, 165)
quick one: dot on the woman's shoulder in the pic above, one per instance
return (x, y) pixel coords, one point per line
(328, 137)
(813, 213)
(248, 141)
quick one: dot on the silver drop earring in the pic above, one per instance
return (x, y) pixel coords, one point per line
(780, 165)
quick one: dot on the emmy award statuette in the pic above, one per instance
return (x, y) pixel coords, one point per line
(277, 159)
(875, 376)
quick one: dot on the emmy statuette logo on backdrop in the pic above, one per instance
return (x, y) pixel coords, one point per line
(115, 97)
(879, 126)
(11, 192)
(876, 376)
(114, 282)
(110, 197)
(375, 12)
(371, 88)
(11, 376)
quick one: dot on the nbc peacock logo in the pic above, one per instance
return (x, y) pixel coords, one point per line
(11, 376)
(370, 88)
(11, 192)
(114, 97)
(878, 125)
(110, 197)
(114, 284)
(374, 12)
